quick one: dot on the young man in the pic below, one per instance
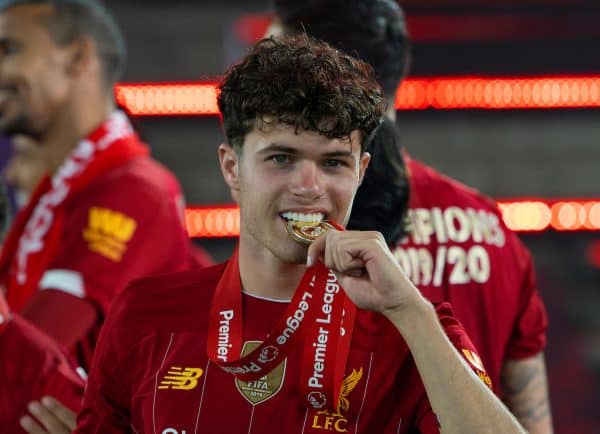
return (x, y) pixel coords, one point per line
(457, 248)
(107, 213)
(32, 367)
(297, 115)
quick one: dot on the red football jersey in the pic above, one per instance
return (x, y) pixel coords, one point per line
(459, 250)
(151, 372)
(31, 367)
(125, 225)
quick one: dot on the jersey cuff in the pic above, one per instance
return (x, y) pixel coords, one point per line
(67, 281)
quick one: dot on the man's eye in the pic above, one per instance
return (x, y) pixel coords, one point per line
(332, 162)
(280, 159)
(8, 47)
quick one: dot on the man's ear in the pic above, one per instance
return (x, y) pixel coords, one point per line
(82, 54)
(229, 161)
(362, 166)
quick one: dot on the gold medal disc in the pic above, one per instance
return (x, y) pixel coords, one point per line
(305, 232)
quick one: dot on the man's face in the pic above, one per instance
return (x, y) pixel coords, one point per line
(280, 175)
(25, 168)
(34, 71)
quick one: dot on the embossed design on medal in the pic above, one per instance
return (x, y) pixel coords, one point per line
(306, 232)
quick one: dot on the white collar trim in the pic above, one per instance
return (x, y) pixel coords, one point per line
(274, 300)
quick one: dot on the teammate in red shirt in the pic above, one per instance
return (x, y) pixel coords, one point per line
(32, 366)
(297, 115)
(107, 213)
(457, 248)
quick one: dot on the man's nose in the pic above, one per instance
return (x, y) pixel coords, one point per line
(308, 181)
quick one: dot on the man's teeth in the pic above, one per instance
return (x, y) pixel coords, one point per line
(301, 217)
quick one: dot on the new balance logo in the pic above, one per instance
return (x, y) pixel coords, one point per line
(181, 378)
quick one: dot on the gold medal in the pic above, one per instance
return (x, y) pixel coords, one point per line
(306, 232)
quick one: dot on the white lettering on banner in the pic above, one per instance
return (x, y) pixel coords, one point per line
(438, 274)
(438, 222)
(458, 225)
(478, 264)
(465, 265)
(479, 229)
(319, 360)
(457, 257)
(455, 224)
(294, 320)
(173, 431)
(223, 344)
(497, 233)
(423, 225)
(331, 288)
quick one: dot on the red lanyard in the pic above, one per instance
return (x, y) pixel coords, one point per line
(319, 319)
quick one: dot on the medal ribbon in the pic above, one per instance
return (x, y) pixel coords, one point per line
(320, 318)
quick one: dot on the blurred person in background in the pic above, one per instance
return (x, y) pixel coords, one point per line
(107, 213)
(455, 246)
(25, 168)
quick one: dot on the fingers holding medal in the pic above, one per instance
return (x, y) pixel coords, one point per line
(335, 257)
(365, 267)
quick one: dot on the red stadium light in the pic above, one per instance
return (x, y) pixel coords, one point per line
(508, 93)
(199, 99)
(173, 99)
(519, 215)
(526, 215)
(213, 222)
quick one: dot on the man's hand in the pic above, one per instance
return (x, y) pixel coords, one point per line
(366, 269)
(53, 417)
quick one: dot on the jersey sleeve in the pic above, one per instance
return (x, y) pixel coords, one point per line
(63, 383)
(113, 234)
(426, 420)
(462, 342)
(31, 367)
(529, 334)
(106, 403)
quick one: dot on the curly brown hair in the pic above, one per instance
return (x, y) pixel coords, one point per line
(301, 82)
